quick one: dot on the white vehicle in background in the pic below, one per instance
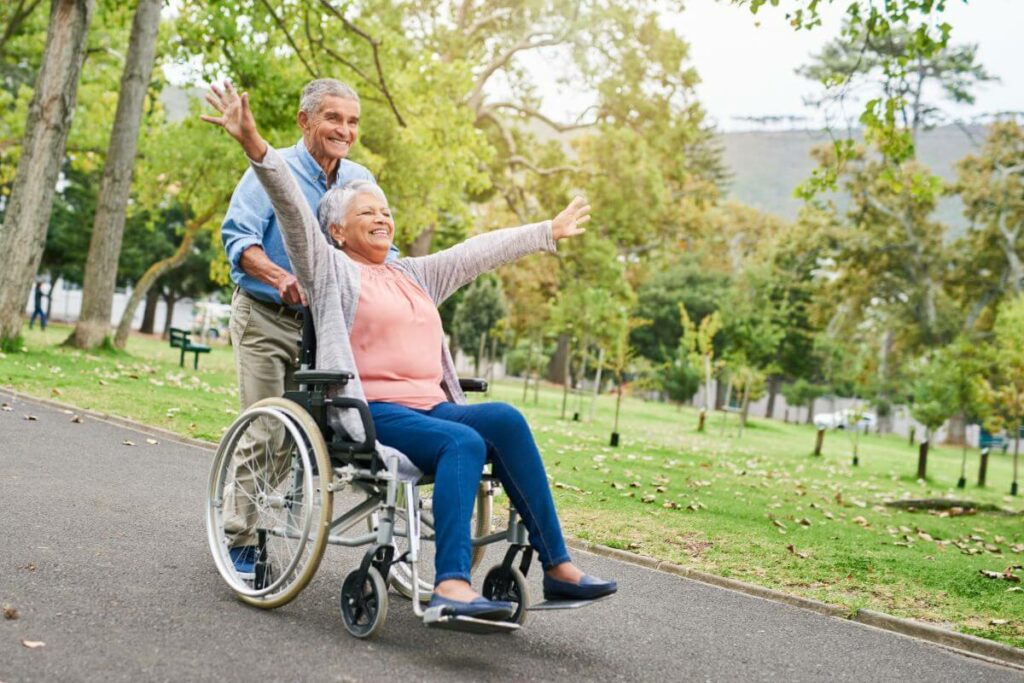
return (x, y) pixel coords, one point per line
(846, 419)
(210, 320)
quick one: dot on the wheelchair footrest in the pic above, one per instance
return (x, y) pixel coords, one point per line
(435, 617)
(565, 604)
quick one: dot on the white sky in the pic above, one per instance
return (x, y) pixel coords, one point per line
(747, 62)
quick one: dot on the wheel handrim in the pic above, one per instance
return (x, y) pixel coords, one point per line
(285, 509)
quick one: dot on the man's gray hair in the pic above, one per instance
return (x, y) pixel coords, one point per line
(315, 91)
(335, 204)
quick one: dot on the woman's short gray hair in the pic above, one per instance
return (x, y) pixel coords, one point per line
(315, 91)
(334, 205)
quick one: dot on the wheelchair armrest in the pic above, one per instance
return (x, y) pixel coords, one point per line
(323, 376)
(369, 443)
(472, 384)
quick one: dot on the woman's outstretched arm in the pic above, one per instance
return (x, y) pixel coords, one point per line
(308, 252)
(446, 271)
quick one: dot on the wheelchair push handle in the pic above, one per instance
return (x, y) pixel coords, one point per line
(369, 442)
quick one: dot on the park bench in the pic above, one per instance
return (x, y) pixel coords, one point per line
(180, 340)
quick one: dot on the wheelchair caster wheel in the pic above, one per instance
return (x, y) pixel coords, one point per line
(364, 608)
(508, 584)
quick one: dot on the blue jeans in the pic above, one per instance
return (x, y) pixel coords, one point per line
(452, 442)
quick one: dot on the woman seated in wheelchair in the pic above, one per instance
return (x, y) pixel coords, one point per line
(383, 316)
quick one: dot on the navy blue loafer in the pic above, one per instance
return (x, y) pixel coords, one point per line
(479, 608)
(589, 588)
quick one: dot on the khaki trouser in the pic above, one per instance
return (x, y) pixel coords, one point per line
(266, 345)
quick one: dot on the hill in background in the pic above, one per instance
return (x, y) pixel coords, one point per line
(767, 165)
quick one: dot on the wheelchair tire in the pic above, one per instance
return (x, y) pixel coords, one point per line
(508, 584)
(364, 609)
(295, 533)
(400, 576)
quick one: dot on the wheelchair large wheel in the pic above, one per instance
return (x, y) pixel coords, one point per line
(400, 574)
(364, 608)
(263, 478)
(508, 584)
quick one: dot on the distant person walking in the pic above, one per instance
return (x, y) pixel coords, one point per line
(40, 309)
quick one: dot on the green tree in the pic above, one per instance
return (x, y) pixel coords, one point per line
(990, 261)
(934, 400)
(803, 394)
(481, 308)
(1004, 389)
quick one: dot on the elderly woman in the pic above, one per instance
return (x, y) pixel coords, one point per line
(383, 317)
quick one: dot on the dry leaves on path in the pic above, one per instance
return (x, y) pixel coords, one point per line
(31, 418)
(128, 442)
(11, 612)
(33, 644)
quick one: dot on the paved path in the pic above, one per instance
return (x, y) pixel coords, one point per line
(103, 553)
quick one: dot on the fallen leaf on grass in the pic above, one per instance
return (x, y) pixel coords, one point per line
(128, 442)
(32, 644)
(1015, 589)
(10, 612)
(924, 535)
(102, 383)
(1005, 575)
(792, 549)
(999, 622)
(649, 498)
(778, 524)
(56, 392)
(861, 521)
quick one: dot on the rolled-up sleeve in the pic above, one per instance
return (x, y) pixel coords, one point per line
(246, 220)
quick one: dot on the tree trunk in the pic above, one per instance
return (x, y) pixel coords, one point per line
(421, 245)
(155, 271)
(557, 367)
(149, 314)
(566, 377)
(529, 371)
(108, 226)
(810, 411)
(957, 433)
(30, 203)
(922, 457)
(597, 383)
(170, 298)
(773, 390)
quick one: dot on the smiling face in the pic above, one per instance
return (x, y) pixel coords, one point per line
(368, 229)
(332, 130)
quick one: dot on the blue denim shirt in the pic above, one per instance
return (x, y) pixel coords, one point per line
(250, 219)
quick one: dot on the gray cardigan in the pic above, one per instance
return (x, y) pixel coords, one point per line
(331, 281)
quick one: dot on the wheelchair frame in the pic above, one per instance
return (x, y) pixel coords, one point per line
(364, 597)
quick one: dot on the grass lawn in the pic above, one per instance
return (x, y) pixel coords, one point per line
(758, 508)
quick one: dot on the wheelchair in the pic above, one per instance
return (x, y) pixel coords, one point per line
(303, 463)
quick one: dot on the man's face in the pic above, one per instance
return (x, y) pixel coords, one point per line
(332, 131)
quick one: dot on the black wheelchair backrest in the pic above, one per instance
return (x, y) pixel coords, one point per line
(307, 352)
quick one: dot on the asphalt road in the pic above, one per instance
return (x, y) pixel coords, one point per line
(103, 554)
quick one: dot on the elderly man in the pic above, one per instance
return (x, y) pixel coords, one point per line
(266, 309)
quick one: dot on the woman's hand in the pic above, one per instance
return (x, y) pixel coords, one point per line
(566, 224)
(237, 119)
